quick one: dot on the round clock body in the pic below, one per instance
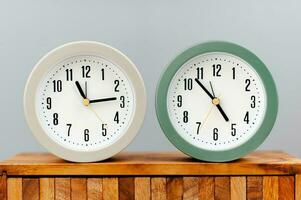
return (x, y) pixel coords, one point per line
(85, 101)
(216, 101)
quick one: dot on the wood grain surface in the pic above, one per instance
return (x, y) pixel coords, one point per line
(150, 163)
(222, 188)
(191, 188)
(46, 188)
(238, 187)
(277, 178)
(31, 189)
(270, 187)
(63, 188)
(206, 187)
(158, 188)
(298, 187)
(147, 188)
(254, 187)
(126, 188)
(286, 187)
(142, 188)
(78, 188)
(14, 188)
(110, 188)
(94, 189)
(3, 186)
(174, 188)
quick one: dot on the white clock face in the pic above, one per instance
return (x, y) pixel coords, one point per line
(216, 101)
(79, 124)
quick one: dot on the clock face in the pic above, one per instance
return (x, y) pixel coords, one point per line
(85, 103)
(80, 101)
(216, 101)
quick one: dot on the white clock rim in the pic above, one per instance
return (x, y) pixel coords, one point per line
(75, 49)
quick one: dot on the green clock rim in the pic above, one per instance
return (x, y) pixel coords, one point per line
(207, 155)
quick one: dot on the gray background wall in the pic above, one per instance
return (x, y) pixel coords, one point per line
(151, 33)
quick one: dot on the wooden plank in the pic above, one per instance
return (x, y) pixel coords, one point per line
(158, 188)
(110, 188)
(206, 187)
(126, 188)
(298, 186)
(174, 188)
(155, 164)
(3, 186)
(14, 188)
(254, 187)
(286, 187)
(142, 188)
(31, 189)
(62, 188)
(191, 188)
(94, 188)
(270, 187)
(47, 188)
(238, 187)
(222, 187)
(78, 188)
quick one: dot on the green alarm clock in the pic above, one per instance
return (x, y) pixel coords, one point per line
(216, 101)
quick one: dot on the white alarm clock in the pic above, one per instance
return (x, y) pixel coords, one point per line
(85, 101)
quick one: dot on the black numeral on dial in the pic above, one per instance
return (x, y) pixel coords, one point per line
(48, 103)
(55, 119)
(116, 82)
(215, 134)
(116, 117)
(180, 101)
(86, 71)
(86, 135)
(122, 99)
(104, 129)
(246, 118)
(69, 74)
(102, 74)
(185, 116)
(188, 83)
(198, 127)
(200, 73)
(57, 85)
(216, 70)
(69, 128)
(233, 129)
(233, 73)
(253, 101)
(247, 82)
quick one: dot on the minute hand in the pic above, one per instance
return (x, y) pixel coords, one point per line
(102, 100)
(205, 89)
(213, 97)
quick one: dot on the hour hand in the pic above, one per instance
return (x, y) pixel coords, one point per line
(102, 100)
(80, 90)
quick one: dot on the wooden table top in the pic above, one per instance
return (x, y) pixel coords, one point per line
(152, 163)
